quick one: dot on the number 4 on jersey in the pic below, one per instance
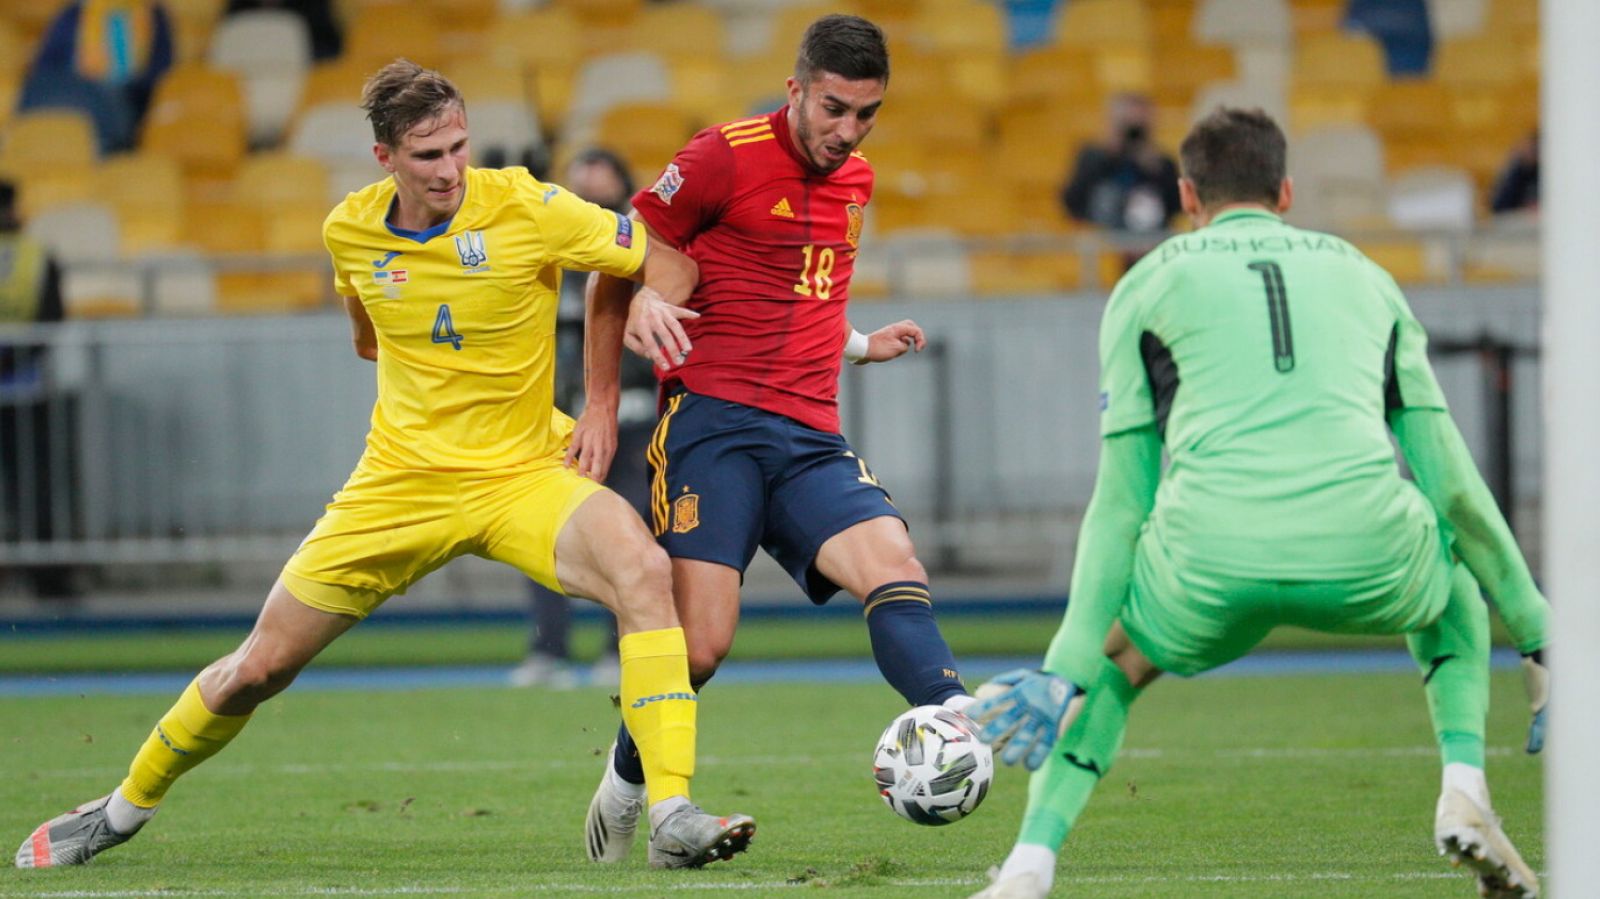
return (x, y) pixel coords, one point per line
(444, 330)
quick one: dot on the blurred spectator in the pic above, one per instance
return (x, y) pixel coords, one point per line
(104, 57)
(30, 292)
(1125, 183)
(326, 41)
(1517, 188)
(601, 177)
(1402, 27)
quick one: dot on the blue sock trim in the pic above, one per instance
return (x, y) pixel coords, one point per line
(626, 759)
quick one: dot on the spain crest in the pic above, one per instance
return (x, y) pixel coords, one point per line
(686, 513)
(855, 218)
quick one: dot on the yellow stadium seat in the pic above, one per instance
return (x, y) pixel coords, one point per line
(338, 81)
(1339, 60)
(271, 180)
(1317, 16)
(43, 189)
(982, 76)
(147, 192)
(1318, 107)
(678, 29)
(1183, 70)
(1055, 72)
(550, 36)
(1507, 16)
(29, 17)
(1038, 142)
(974, 210)
(193, 22)
(47, 137)
(1411, 109)
(789, 23)
(197, 117)
(1479, 62)
(1102, 23)
(15, 49)
(892, 211)
(381, 33)
(960, 26)
(1407, 260)
(481, 77)
(700, 86)
(10, 87)
(1418, 150)
(645, 134)
(1008, 272)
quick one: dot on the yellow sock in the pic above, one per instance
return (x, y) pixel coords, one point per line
(187, 735)
(659, 707)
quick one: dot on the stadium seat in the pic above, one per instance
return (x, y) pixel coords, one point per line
(197, 118)
(15, 49)
(505, 132)
(43, 189)
(1485, 62)
(1317, 16)
(29, 17)
(334, 133)
(1411, 109)
(645, 135)
(1012, 272)
(1097, 24)
(702, 86)
(1433, 198)
(147, 192)
(1339, 178)
(960, 27)
(86, 240)
(193, 22)
(1185, 70)
(1242, 94)
(927, 263)
(1054, 73)
(481, 78)
(10, 88)
(605, 81)
(1339, 60)
(1239, 23)
(337, 81)
(270, 51)
(678, 29)
(378, 34)
(182, 283)
(42, 138)
(1409, 261)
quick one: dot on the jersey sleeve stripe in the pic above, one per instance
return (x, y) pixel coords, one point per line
(744, 123)
(752, 140)
(764, 128)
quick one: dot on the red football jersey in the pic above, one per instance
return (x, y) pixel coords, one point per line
(776, 243)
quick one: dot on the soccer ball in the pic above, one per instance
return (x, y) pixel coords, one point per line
(931, 767)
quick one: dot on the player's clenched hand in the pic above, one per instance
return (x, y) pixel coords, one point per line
(594, 443)
(1023, 713)
(892, 341)
(654, 331)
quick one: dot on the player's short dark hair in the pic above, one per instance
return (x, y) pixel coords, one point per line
(848, 46)
(1235, 156)
(609, 159)
(403, 94)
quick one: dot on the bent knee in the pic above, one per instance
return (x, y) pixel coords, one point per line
(254, 677)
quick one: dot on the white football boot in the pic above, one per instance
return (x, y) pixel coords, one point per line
(72, 838)
(613, 818)
(691, 837)
(1469, 834)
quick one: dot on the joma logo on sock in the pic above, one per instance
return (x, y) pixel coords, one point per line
(660, 696)
(163, 735)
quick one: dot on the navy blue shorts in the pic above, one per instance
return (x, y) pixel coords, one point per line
(726, 478)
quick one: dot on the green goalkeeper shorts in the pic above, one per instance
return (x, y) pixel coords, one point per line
(1186, 621)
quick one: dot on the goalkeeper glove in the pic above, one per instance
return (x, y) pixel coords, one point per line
(1023, 713)
(1536, 677)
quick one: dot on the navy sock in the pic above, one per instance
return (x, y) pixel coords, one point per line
(626, 759)
(907, 645)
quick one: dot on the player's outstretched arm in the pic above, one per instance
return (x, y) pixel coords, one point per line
(1444, 470)
(886, 343)
(1102, 570)
(362, 334)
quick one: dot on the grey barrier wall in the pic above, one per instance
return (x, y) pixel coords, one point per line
(221, 439)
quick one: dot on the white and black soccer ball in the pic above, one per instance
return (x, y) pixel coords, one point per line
(931, 767)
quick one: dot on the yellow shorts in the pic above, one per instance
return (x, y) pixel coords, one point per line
(386, 529)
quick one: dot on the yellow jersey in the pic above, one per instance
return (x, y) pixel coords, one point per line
(465, 314)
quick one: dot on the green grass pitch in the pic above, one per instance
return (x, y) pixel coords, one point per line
(1291, 786)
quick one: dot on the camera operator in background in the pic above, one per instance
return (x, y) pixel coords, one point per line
(1126, 183)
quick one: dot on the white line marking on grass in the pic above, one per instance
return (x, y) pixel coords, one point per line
(1274, 753)
(745, 886)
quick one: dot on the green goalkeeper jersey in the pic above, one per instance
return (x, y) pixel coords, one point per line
(1267, 357)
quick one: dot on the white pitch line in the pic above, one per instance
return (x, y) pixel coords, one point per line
(745, 886)
(1257, 753)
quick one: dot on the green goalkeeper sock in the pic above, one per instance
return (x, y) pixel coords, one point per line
(1058, 792)
(1453, 653)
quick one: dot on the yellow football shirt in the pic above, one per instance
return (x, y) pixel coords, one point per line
(465, 315)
